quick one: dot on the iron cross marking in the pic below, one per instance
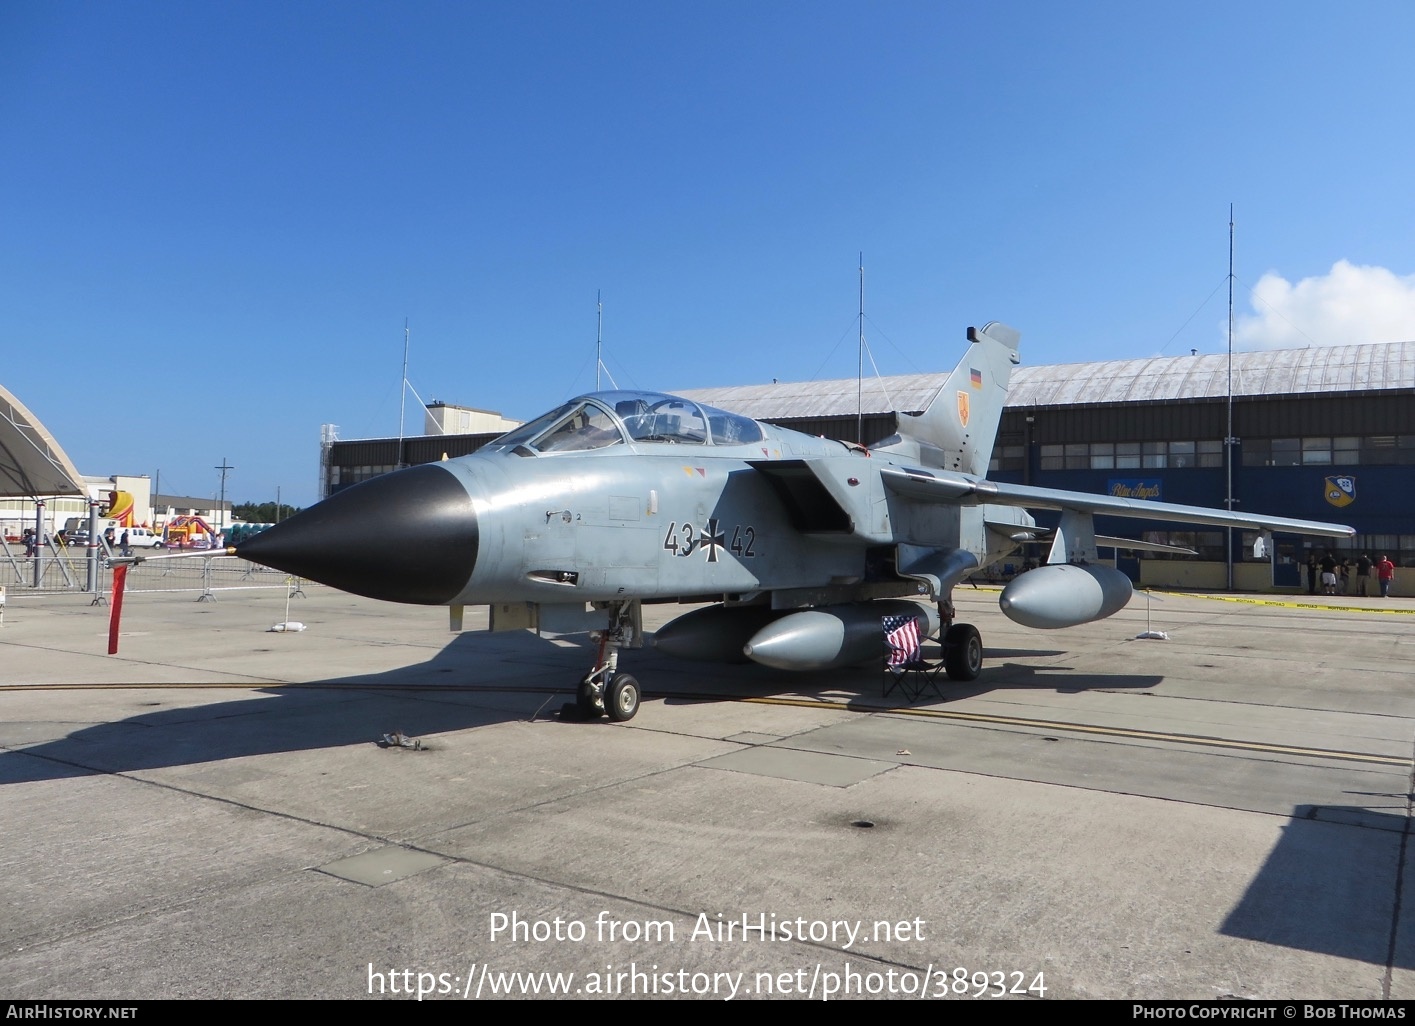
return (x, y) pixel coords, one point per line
(712, 539)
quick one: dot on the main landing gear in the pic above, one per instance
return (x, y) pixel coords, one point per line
(962, 646)
(605, 691)
(962, 652)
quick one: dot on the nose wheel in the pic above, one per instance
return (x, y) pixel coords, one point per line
(619, 700)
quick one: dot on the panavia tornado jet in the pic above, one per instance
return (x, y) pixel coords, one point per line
(802, 545)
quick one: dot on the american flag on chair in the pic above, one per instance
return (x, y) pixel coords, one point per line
(902, 634)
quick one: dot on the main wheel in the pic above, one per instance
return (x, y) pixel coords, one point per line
(621, 698)
(963, 652)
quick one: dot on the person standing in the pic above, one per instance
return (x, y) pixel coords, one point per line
(1363, 573)
(1312, 572)
(1385, 573)
(1328, 573)
(123, 545)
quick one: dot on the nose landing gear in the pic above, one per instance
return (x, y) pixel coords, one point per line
(605, 691)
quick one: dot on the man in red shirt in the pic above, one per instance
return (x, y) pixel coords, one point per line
(1385, 573)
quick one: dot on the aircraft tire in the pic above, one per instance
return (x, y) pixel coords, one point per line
(621, 698)
(963, 652)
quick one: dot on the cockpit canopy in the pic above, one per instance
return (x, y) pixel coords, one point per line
(603, 419)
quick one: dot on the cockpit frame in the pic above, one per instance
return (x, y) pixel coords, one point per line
(601, 420)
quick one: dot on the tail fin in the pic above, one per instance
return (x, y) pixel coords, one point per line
(960, 423)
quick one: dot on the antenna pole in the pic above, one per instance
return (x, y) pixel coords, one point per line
(860, 371)
(1228, 440)
(598, 338)
(403, 393)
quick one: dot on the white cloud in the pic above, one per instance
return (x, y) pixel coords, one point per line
(1348, 306)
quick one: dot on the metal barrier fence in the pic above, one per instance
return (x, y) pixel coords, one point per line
(206, 575)
(68, 572)
(203, 573)
(60, 567)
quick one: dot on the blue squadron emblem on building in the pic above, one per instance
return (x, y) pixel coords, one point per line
(1340, 491)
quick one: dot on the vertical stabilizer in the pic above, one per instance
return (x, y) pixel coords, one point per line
(958, 428)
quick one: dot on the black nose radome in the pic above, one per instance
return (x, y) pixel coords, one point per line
(408, 536)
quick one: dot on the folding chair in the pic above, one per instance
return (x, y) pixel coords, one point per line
(904, 665)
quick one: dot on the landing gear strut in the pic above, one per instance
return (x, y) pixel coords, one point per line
(605, 691)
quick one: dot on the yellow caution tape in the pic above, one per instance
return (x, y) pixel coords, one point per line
(1291, 605)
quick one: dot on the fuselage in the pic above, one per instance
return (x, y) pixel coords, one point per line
(612, 496)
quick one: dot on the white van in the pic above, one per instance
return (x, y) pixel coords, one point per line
(76, 533)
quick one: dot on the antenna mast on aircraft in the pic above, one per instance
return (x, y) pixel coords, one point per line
(403, 392)
(599, 344)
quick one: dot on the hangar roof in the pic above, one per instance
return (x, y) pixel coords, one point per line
(31, 463)
(1380, 366)
(823, 398)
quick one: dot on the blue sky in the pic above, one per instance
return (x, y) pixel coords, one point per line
(217, 217)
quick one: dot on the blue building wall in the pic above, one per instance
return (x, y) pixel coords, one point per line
(1383, 503)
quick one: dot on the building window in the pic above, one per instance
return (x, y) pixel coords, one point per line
(1008, 457)
(1286, 452)
(1181, 454)
(1316, 452)
(1323, 451)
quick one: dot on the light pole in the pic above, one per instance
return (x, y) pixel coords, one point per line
(221, 510)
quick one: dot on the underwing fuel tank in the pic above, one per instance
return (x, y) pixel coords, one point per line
(1065, 594)
(713, 634)
(831, 636)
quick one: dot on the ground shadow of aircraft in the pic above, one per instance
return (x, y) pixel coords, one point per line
(417, 700)
(454, 690)
(1332, 886)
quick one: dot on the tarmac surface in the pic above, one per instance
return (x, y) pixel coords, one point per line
(214, 811)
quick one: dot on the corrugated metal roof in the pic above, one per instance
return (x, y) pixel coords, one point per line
(1381, 366)
(823, 398)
